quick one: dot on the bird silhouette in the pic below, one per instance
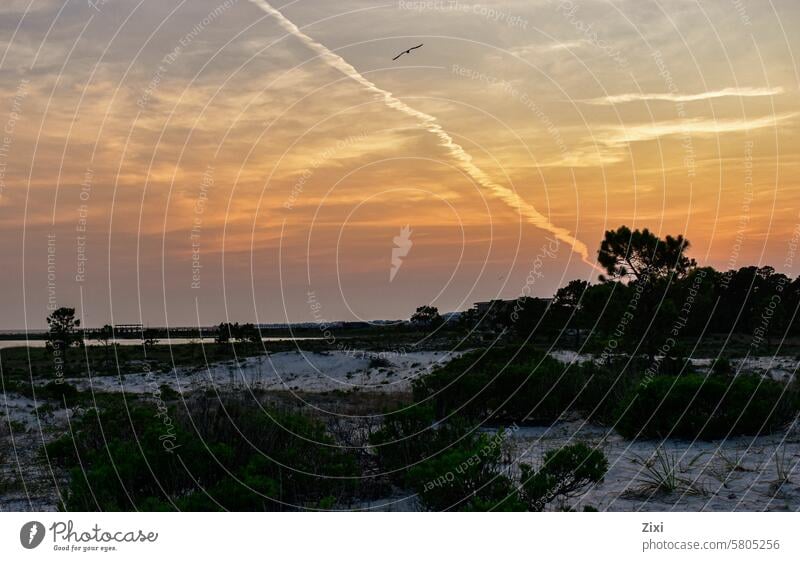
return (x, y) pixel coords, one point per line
(408, 51)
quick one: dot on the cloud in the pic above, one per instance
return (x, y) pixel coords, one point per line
(538, 48)
(26, 6)
(651, 131)
(430, 124)
(675, 98)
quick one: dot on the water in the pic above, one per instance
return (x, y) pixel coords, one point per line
(39, 343)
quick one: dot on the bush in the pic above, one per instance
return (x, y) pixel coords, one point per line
(228, 455)
(408, 436)
(469, 476)
(451, 468)
(466, 476)
(604, 388)
(166, 393)
(447, 465)
(524, 386)
(379, 362)
(722, 367)
(4, 440)
(498, 384)
(58, 391)
(697, 407)
(565, 472)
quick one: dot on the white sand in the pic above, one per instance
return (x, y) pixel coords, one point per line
(567, 357)
(710, 481)
(32, 427)
(290, 371)
(738, 474)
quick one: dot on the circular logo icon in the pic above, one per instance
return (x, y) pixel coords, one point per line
(31, 534)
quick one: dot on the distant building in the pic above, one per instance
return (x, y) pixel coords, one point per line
(122, 328)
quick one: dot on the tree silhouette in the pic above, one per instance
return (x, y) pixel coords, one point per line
(64, 328)
(105, 336)
(64, 332)
(571, 298)
(640, 254)
(427, 316)
(224, 333)
(653, 266)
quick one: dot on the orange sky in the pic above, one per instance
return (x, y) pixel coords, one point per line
(232, 159)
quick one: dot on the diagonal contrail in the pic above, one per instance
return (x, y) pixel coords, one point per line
(430, 124)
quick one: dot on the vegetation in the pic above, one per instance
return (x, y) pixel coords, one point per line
(705, 407)
(662, 473)
(20, 364)
(379, 362)
(641, 254)
(64, 329)
(451, 466)
(228, 455)
(63, 333)
(565, 473)
(244, 333)
(408, 436)
(426, 317)
(521, 384)
(467, 475)
(5, 446)
(652, 298)
(218, 455)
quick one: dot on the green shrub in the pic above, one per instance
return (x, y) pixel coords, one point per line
(603, 389)
(466, 476)
(409, 436)
(470, 476)
(58, 391)
(166, 393)
(565, 472)
(452, 468)
(697, 407)
(5, 443)
(499, 384)
(447, 464)
(379, 362)
(521, 385)
(722, 367)
(228, 455)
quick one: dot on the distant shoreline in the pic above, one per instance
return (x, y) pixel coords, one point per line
(40, 341)
(283, 331)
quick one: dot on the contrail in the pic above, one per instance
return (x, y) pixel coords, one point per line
(430, 124)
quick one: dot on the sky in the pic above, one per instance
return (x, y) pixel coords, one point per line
(191, 162)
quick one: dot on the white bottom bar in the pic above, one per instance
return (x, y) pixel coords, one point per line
(404, 536)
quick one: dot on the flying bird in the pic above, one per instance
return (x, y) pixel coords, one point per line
(408, 51)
